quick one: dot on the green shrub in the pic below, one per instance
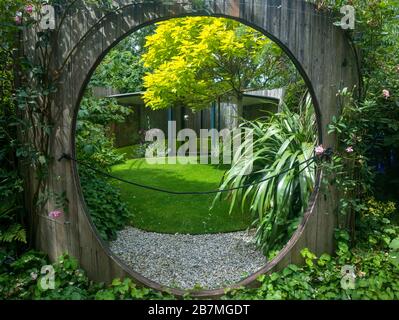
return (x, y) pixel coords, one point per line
(321, 277)
(20, 279)
(375, 226)
(12, 231)
(376, 279)
(374, 264)
(281, 142)
(107, 210)
(94, 141)
(95, 148)
(126, 290)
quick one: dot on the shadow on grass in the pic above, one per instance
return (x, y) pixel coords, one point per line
(161, 212)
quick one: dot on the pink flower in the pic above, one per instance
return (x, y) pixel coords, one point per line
(18, 18)
(29, 9)
(386, 93)
(349, 149)
(319, 150)
(55, 214)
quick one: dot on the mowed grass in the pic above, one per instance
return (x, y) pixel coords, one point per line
(167, 213)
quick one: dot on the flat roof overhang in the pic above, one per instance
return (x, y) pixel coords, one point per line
(249, 99)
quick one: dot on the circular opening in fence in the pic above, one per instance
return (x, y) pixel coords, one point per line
(194, 148)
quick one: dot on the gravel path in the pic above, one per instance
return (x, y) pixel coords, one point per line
(186, 261)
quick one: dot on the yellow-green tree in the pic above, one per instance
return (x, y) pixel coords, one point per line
(195, 60)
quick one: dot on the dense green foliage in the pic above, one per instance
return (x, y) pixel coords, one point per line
(95, 147)
(122, 68)
(195, 60)
(369, 123)
(374, 261)
(166, 213)
(20, 278)
(107, 210)
(94, 141)
(281, 142)
(12, 233)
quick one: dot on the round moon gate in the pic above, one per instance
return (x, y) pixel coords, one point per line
(318, 48)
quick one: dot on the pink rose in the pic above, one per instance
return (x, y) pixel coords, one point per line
(55, 214)
(319, 150)
(349, 149)
(18, 18)
(386, 93)
(29, 9)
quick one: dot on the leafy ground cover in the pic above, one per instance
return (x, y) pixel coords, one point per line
(373, 259)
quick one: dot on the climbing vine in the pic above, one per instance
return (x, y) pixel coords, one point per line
(38, 78)
(367, 130)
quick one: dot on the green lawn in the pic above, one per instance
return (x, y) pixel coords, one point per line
(161, 212)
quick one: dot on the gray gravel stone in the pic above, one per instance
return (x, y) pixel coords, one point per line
(186, 261)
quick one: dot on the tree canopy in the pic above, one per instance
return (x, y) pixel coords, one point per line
(195, 60)
(123, 69)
